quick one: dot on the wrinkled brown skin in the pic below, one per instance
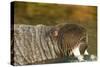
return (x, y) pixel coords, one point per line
(68, 37)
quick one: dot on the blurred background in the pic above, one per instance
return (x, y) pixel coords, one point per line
(53, 14)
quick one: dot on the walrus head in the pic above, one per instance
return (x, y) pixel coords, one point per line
(72, 39)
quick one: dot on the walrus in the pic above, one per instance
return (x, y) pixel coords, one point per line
(34, 44)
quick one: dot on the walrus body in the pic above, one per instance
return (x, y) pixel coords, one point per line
(40, 43)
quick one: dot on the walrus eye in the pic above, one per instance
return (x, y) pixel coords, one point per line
(83, 40)
(55, 33)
